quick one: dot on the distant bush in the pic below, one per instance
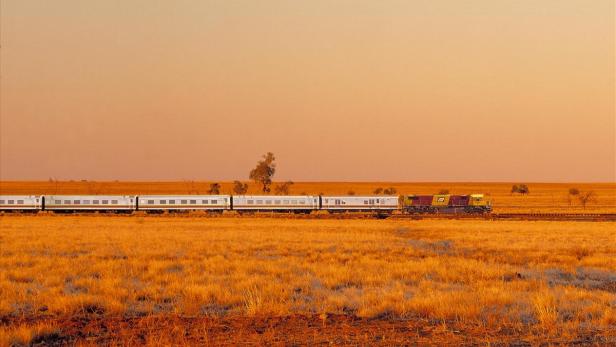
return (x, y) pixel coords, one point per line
(443, 191)
(390, 191)
(283, 189)
(520, 188)
(350, 192)
(240, 188)
(214, 188)
(378, 191)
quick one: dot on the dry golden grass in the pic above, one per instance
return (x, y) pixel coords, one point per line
(543, 197)
(546, 278)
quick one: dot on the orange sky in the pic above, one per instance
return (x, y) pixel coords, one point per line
(481, 90)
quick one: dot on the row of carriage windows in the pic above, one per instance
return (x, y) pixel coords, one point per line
(366, 202)
(115, 202)
(275, 202)
(182, 202)
(86, 202)
(11, 202)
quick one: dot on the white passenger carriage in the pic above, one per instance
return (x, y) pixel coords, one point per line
(70, 203)
(183, 202)
(21, 203)
(377, 203)
(296, 203)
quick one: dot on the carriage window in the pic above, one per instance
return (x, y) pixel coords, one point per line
(163, 202)
(76, 202)
(95, 202)
(214, 202)
(286, 202)
(150, 202)
(293, 202)
(11, 202)
(277, 202)
(20, 202)
(193, 202)
(171, 202)
(302, 202)
(365, 202)
(114, 202)
(268, 202)
(259, 202)
(205, 202)
(377, 201)
(58, 202)
(105, 202)
(250, 202)
(86, 202)
(1, 202)
(184, 202)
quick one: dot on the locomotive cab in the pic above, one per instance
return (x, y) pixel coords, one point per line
(480, 203)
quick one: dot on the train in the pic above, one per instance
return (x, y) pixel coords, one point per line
(377, 204)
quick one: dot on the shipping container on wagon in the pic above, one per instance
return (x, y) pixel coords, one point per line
(420, 200)
(459, 200)
(183, 202)
(72, 203)
(359, 203)
(305, 203)
(21, 202)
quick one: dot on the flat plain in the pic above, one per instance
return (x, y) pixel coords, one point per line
(163, 280)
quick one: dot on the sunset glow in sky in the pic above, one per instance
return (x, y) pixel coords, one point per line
(480, 90)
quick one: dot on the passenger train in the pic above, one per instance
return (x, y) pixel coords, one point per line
(378, 204)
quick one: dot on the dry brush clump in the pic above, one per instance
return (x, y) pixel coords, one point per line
(556, 277)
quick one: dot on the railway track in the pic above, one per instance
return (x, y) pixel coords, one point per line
(583, 217)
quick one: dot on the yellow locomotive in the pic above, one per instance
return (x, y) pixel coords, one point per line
(446, 203)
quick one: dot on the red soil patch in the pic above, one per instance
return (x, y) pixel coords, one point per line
(295, 330)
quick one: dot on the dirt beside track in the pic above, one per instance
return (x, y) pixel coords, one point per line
(94, 329)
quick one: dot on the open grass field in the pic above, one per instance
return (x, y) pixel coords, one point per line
(134, 281)
(543, 197)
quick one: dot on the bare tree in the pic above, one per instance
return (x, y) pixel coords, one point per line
(264, 171)
(586, 197)
(240, 188)
(572, 192)
(214, 189)
(283, 189)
